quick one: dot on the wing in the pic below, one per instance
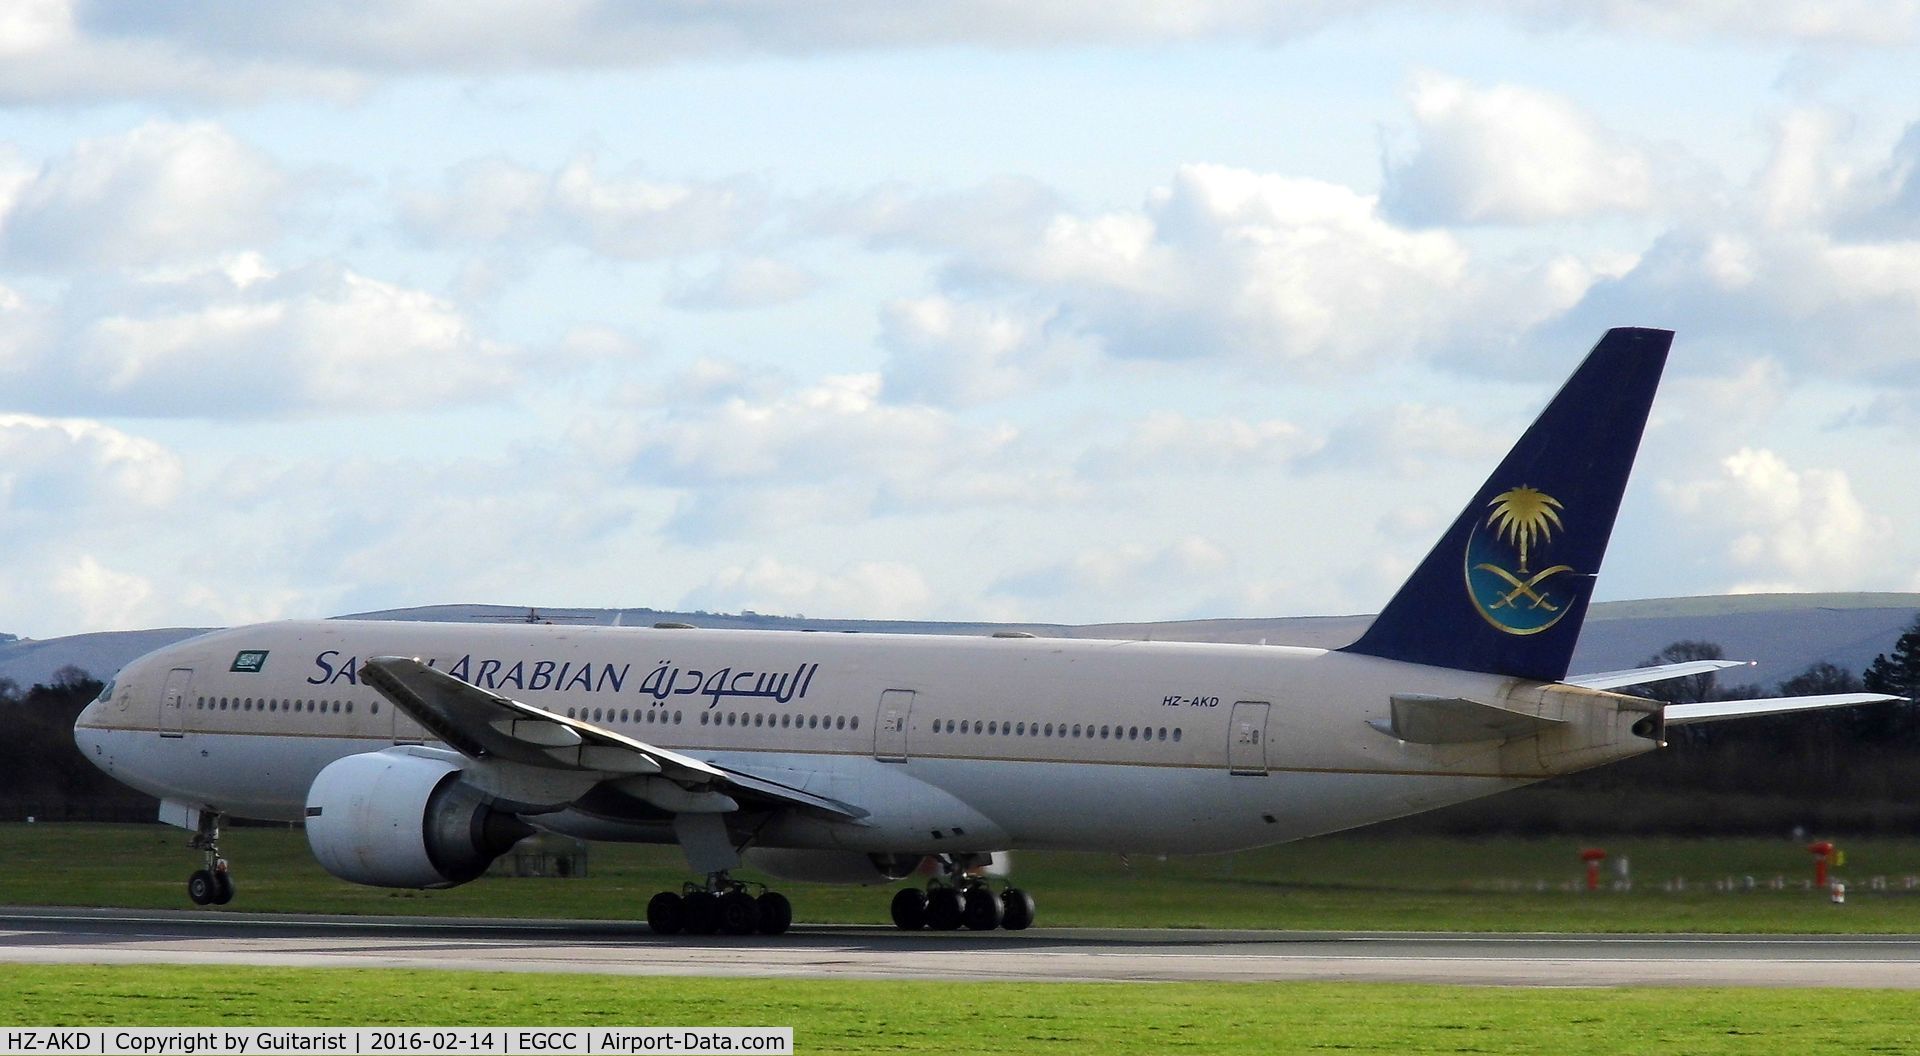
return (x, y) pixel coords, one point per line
(1640, 676)
(485, 726)
(1682, 714)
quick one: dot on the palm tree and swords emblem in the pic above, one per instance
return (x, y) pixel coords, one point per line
(1517, 599)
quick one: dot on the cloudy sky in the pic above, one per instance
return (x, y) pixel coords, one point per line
(1055, 311)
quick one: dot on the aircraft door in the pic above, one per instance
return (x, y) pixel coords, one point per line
(890, 726)
(173, 702)
(1247, 738)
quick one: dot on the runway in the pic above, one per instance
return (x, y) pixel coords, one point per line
(113, 936)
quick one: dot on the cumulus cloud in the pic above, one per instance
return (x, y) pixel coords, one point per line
(1787, 529)
(67, 488)
(754, 282)
(1811, 266)
(104, 598)
(68, 49)
(944, 351)
(1409, 439)
(1887, 203)
(999, 218)
(627, 216)
(1254, 268)
(160, 193)
(75, 49)
(1106, 576)
(746, 451)
(1860, 23)
(247, 340)
(1169, 441)
(72, 467)
(1847, 309)
(64, 50)
(1508, 154)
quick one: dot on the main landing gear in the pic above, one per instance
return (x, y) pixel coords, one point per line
(212, 884)
(955, 900)
(722, 906)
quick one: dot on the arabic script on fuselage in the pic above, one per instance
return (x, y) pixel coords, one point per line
(664, 682)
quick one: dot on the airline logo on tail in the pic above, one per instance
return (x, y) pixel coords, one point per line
(1511, 575)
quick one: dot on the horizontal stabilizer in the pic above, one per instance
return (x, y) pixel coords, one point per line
(1455, 720)
(1640, 676)
(1712, 710)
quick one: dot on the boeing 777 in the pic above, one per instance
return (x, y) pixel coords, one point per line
(416, 754)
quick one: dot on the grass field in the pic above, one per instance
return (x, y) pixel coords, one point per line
(945, 1017)
(1339, 882)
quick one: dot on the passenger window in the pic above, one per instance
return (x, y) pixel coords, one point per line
(374, 708)
(854, 723)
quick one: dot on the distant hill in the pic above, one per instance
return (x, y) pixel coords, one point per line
(1783, 632)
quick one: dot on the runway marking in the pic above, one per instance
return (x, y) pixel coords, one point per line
(625, 948)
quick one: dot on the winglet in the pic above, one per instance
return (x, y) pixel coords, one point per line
(1506, 588)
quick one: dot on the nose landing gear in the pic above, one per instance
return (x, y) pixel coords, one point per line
(212, 884)
(721, 905)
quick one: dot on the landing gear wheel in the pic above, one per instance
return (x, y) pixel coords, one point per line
(944, 909)
(909, 909)
(667, 914)
(776, 913)
(222, 888)
(980, 910)
(1017, 909)
(703, 913)
(738, 914)
(201, 887)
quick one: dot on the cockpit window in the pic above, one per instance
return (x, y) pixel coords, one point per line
(106, 692)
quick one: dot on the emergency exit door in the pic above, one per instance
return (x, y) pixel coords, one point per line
(890, 726)
(173, 702)
(1247, 738)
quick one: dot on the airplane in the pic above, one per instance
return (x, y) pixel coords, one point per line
(416, 754)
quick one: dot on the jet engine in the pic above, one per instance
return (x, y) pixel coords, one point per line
(397, 819)
(830, 867)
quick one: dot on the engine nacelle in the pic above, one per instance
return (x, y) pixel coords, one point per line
(831, 867)
(397, 819)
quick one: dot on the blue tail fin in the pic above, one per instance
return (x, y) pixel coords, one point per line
(1506, 588)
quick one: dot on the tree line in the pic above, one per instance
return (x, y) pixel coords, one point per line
(1842, 770)
(42, 774)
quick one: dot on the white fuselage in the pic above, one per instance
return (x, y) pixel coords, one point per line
(951, 744)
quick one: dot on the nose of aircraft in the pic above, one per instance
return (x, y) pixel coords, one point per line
(97, 719)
